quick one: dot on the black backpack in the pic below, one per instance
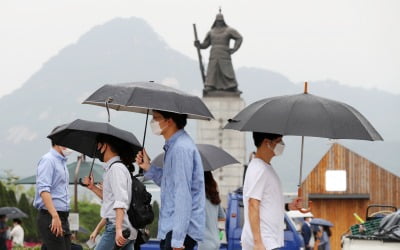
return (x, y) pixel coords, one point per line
(140, 212)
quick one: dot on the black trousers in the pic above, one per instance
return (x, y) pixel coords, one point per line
(189, 243)
(3, 245)
(50, 241)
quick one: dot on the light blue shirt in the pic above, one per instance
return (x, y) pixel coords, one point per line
(182, 190)
(53, 177)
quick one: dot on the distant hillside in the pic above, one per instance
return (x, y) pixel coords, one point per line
(124, 50)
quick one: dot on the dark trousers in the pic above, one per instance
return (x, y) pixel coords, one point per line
(3, 245)
(50, 241)
(189, 243)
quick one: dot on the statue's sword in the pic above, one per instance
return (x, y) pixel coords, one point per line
(199, 55)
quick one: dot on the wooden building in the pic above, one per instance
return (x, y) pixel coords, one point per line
(358, 183)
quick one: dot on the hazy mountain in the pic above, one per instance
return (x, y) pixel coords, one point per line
(125, 50)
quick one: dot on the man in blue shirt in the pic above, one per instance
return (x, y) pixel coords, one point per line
(182, 214)
(306, 232)
(52, 198)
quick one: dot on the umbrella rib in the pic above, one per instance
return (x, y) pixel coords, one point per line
(330, 120)
(288, 117)
(261, 105)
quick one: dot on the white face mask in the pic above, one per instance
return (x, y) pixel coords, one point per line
(66, 152)
(279, 147)
(155, 127)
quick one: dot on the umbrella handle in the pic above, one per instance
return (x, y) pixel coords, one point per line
(306, 210)
(303, 210)
(81, 183)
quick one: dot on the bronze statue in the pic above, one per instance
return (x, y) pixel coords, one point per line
(220, 74)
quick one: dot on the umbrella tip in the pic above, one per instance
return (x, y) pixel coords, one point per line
(305, 87)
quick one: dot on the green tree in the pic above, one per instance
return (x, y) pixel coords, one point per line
(9, 182)
(153, 227)
(30, 193)
(29, 224)
(89, 217)
(12, 200)
(3, 195)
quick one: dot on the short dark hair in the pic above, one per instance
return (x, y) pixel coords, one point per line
(259, 137)
(179, 119)
(126, 151)
(17, 220)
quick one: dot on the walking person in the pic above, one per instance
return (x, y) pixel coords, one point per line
(17, 233)
(322, 238)
(182, 213)
(214, 214)
(3, 232)
(263, 200)
(52, 198)
(306, 232)
(116, 193)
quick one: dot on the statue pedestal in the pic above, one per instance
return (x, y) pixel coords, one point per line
(230, 177)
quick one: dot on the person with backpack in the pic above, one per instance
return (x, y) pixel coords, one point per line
(182, 214)
(116, 192)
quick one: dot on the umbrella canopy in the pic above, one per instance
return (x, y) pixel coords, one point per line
(12, 212)
(321, 222)
(81, 135)
(212, 157)
(305, 115)
(83, 171)
(140, 97)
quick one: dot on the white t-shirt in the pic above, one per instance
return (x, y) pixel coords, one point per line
(263, 184)
(17, 234)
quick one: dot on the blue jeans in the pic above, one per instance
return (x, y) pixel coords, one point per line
(107, 240)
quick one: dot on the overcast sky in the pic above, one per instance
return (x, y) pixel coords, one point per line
(355, 42)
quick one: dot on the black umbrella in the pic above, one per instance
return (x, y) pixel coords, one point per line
(12, 212)
(212, 157)
(141, 97)
(304, 115)
(81, 135)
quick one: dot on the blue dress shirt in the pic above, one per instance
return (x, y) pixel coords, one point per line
(182, 190)
(53, 177)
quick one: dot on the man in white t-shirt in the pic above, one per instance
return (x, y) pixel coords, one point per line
(264, 205)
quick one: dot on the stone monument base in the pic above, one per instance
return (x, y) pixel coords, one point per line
(224, 107)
